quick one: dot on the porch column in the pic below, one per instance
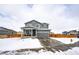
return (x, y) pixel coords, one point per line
(36, 32)
(31, 32)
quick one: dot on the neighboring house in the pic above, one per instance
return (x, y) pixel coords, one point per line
(5, 31)
(65, 32)
(36, 29)
(72, 32)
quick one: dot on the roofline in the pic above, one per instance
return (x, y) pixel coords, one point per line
(36, 21)
(45, 23)
(35, 28)
(9, 29)
(31, 21)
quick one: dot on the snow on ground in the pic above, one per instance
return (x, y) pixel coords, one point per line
(66, 40)
(17, 43)
(73, 51)
(13, 44)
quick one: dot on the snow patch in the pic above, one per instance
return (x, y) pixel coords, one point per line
(67, 40)
(17, 43)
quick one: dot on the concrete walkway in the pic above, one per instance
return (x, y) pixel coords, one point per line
(50, 42)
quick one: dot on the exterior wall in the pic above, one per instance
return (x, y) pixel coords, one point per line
(36, 25)
(43, 34)
(5, 32)
(44, 25)
(65, 32)
(33, 24)
(73, 33)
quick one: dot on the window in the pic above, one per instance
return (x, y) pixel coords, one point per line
(38, 26)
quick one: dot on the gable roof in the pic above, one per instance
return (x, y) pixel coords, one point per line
(2, 28)
(35, 21)
(45, 23)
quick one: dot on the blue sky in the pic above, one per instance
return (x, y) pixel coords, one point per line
(60, 17)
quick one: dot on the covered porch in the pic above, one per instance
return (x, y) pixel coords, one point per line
(32, 32)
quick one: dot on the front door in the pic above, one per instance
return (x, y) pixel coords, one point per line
(34, 32)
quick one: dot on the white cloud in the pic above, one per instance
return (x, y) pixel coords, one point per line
(55, 15)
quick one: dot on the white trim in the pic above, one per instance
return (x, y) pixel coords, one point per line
(36, 33)
(31, 32)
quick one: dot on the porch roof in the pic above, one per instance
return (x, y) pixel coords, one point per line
(27, 27)
(43, 29)
(35, 28)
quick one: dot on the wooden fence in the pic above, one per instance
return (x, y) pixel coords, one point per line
(62, 36)
(50, 35)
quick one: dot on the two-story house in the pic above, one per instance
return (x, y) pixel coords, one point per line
(36, 29)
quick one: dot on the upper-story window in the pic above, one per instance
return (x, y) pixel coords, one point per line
(38, 26)
(28, 25)
(45, 25)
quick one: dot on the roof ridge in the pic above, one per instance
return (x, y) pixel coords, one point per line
(6, 29)
(35, 21)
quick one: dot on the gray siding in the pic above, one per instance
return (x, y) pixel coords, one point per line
(33, 24)
(5, 32)
(42, 35)
(42, 30)
(44, 25)
(36, 25)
